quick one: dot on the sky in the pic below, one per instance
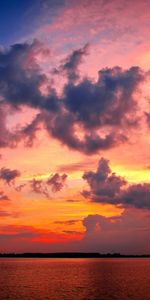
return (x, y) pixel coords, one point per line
(75, 126)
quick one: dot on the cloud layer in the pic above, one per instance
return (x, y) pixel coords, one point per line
(127, 233)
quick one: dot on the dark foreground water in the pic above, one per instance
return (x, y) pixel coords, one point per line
(74, 279)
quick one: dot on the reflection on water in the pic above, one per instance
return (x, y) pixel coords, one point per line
(74, 279)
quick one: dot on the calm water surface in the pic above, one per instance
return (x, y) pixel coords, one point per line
(74, 279)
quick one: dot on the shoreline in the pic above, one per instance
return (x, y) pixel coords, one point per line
(70, 255)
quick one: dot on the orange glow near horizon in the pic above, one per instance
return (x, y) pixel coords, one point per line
(75, 94)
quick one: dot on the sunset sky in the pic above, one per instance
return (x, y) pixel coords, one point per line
(75, 126)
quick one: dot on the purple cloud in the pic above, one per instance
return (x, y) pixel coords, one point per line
(56, 182)
(106, 187)
(39, 187)
(102, 109)
(9, 175)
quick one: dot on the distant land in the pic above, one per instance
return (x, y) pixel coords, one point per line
(71, 255)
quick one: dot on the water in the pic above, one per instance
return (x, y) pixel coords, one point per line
(74, 279)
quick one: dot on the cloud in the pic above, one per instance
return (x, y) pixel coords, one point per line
(20, 75)
(76, 166)
(68, 222)
(147, 115)
(106, 101)
(28, 132)
(18, 232)
(22, 238)
(137, 195)
(20, 187)
(71, 63)
(38, 186)
(102, 110)
(107, 187)
(127, 233)
(88, 116)
(7, 138)
(9, 175)
(56, 182)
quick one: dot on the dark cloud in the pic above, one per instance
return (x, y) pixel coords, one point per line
(100, 111)
(20, 75)
(56, 182)
(20, 187)
(28, 132)
(91, 141)
(7, 138)
(108, 101)
(147, 115)
(107, 187)
(71, 63)
(89, 115)
(39, 187)
(9, 175)
(93, 106)
(137, 195)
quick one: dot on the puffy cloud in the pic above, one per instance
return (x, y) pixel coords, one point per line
(57, 182)
(9, 175)
(88, 116)
(137, 195)
(20, 75)
(107, 187)
(38, 186)
(108, 101)
(91, 141)
(102, 110)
